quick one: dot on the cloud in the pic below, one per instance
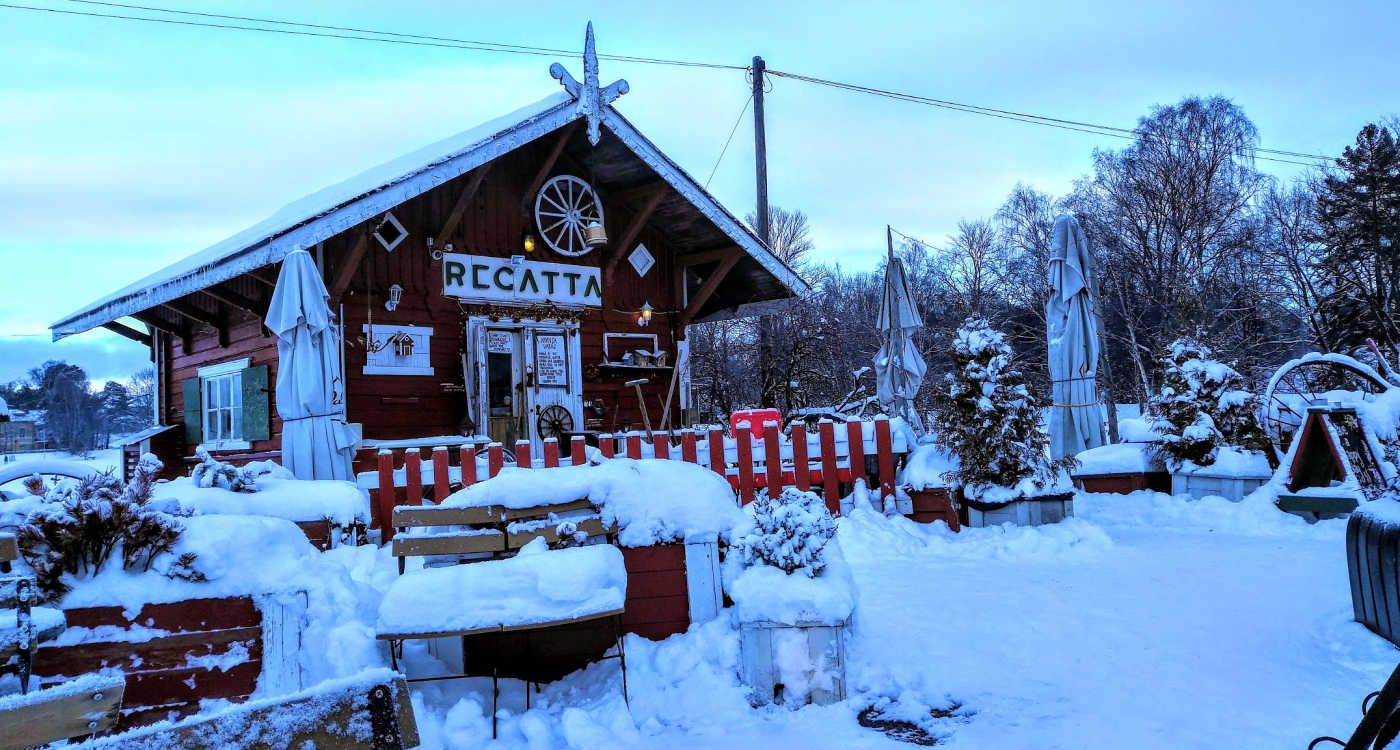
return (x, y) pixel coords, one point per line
(103, 355)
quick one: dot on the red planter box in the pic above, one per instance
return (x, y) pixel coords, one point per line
(161, 681)
(658, 593)
(1122, 484)
(934, 505)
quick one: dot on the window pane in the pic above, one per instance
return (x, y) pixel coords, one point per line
(225, 423)
(236, 426)
(225, 391)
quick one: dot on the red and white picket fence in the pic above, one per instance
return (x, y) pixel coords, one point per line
(828, 459)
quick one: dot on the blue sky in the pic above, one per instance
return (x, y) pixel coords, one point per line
(126, 146)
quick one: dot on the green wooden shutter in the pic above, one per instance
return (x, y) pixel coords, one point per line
(257, 421)
(194, 414)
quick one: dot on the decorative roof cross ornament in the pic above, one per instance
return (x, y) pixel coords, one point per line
(591, 100)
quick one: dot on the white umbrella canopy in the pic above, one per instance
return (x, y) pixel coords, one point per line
(1073, 343)
(899, 368)
(316, 441)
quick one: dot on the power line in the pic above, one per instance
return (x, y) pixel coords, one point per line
(423, 40)
(727, 141)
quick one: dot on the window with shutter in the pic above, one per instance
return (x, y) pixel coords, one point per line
(221, 407)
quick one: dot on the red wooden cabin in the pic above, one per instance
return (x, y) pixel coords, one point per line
(466, 309)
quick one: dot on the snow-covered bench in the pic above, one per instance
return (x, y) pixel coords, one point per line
(502, 578)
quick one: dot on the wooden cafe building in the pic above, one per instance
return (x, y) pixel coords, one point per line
(510, 281)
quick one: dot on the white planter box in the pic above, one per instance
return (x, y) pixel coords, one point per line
(1200, 483)
(793, 665)
(1033, 512)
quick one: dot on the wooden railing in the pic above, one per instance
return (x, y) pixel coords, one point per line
(829, 460)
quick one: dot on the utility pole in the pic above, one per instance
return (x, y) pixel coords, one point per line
(760, 151)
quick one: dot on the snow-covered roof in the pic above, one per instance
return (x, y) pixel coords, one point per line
(4, 411)
(338, 208)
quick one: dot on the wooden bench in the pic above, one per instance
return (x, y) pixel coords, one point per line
(466, 549)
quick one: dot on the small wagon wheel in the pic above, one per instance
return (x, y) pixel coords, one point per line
(554, 421)
(564, 209)
(1304, 382)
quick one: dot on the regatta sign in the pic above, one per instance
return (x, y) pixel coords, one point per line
(479, 278)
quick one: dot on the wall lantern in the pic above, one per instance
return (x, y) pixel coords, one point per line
(594, 235)
(527, 241)
(395, 294)
(644, 315)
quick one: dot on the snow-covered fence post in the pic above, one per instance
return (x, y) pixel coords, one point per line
(661, 444)
(884, 451)
(831, 482)
(578, 453)
(440, 471)
(743, 443)
(522, 455)
(495, 459)
(801, 470)
(634, 445)
(773, 458)
(467, 455)
(551, 452)
(855, 450)
(607, 444)
(413, 478)
(715, 442)
(688, 452)
(384, 509)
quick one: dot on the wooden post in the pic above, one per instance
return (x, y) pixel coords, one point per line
(661, 444)
(831, 485)
(578, 451)
(634, 446)
(760, 151)
(855, 449)
(801, 470)
(440, 488)
(551, 452)
(688, 446)
(522, 455)
(495, 459)
(743, 440)
(607, 444)
(773, 458)
(386, 494)
(468, 457)
(884, 451)
(413, 477)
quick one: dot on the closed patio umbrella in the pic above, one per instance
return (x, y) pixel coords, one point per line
(316, 441)
(1072, 335)
(899, 368)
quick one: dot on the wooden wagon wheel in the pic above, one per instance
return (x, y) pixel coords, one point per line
(554, 421)
(564, 209)
(1304, 382)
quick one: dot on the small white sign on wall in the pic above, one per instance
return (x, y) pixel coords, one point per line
(551, 360)
(398, 350)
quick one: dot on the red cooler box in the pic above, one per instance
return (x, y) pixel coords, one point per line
(756, 419)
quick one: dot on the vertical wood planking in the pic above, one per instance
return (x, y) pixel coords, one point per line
(467, 455)
(522, 455)
(440, 489)
(495, 459)
(688, 453)
(551, 452)
(855, 449)
(661, 444)
(385, 505)
(716, 445)
(413, 477)
(831, 486)
(634, 446)
(607, 444)
(884, 454)
(743, 440)
(578, 451)
(801, 470)
(773, 458)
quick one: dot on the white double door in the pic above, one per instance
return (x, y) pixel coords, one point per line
(527, 379)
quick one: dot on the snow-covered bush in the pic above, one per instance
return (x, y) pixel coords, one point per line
(211, 472)
(989, 420)
(789, 532)
(83, 523)
(1203, 405)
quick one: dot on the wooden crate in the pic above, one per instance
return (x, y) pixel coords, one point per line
(1026, 512)
(1201, 483)
(765, 649)
(1124, 483)
(936, 504)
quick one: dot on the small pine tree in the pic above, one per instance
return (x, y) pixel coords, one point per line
(211, 472)
(789, 533)
(988, 418)
(1202, 405)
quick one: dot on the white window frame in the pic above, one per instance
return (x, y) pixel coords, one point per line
(218, 372)
(422, 345)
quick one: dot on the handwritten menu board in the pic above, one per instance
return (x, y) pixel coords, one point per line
(551, 360)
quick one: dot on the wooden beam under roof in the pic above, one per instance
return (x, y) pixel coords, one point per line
(186, 310)
(629, 235)
(459, 209)
(221, 293)
(708, 288)
(182, 331)
(703, 257)
(349, 264)
(547, 166)
(127, 331)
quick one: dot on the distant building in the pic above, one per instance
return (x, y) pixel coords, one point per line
(22, 430)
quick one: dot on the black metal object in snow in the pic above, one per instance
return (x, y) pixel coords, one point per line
(1380, 721)
(24, 631)
(1373, 567)
(384, 719)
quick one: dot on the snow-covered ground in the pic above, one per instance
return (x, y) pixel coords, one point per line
(1146, 622)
